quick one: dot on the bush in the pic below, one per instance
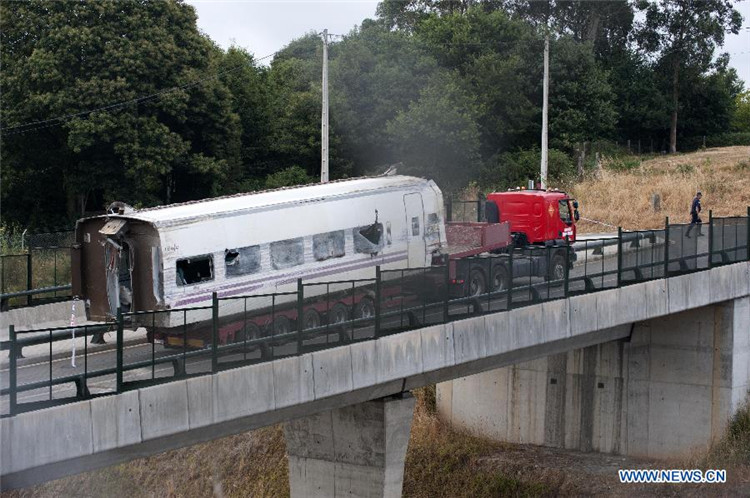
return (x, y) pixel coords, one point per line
(515, 169)
(624, 163)
(289, 177)
(685, 169)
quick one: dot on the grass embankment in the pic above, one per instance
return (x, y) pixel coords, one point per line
(621, 194)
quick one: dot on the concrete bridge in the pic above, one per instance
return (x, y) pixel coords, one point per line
(347, 411)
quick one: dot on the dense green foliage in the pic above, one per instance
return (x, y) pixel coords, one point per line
(450, 89)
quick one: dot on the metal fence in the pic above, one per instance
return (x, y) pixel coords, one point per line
(241, 330)
(465, 210)
(39, 274)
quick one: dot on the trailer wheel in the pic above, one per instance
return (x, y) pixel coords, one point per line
(500, 277)
(557, 268)
(339, 313)
(281, 325)
(477, 282)
(311, 319)
(365, 308)
(250, 331)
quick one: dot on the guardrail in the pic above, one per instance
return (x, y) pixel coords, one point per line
(241, 330)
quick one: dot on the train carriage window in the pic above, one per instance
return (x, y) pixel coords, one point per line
(415, 226)
(329, 245)
(432, 229)
(242, 261)
(368, 239)
(287, 253)
(195, 270)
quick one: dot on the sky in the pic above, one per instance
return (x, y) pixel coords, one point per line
(263, 27)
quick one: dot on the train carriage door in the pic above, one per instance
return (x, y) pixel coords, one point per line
(117, 260)
(414, 210)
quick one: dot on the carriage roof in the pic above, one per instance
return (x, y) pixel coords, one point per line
(234, 204)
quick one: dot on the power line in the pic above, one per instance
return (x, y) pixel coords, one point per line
(47, 123)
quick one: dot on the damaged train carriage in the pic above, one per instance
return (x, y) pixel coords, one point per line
(176, 256)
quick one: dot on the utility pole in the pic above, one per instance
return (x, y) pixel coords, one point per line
(324, 115)
(545, 99)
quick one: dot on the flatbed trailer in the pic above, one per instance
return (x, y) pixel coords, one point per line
(473, 272)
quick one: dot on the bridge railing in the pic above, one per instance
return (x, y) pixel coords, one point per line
(253, 328)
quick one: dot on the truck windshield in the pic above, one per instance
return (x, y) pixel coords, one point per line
(565, 211)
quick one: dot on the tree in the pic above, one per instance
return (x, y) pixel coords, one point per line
(249, 88)
(741, 116)
(489, 51)
(437, 135)
(581, 99)
(707, 101)
(173, 137)
(684, 34)
(295, 93)
(375, 73)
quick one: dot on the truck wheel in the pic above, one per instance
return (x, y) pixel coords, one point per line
(500, 278)
(477, 282)
(557, 268)
(338, 313)
(251, 331)
(311, 319)
(239, 337)
(281, 325)
(365, 308)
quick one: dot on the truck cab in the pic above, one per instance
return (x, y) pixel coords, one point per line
(536, 217)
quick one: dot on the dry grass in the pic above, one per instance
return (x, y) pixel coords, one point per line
(443, 462)
(623, 198)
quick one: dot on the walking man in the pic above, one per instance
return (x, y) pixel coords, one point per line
(695, 209)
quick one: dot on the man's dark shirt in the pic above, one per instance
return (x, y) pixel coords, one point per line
(695, 208)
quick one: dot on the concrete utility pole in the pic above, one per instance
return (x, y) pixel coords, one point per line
(324, 116)
(544, 110)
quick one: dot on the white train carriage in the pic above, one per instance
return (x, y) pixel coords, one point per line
(176, 256)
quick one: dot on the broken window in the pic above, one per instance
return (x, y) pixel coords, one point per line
(242, 261)
(329, 245)
(368, 239)
(195, 270)
(432, 228)
(287, 253)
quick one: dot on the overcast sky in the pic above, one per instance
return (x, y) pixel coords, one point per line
(263, 27)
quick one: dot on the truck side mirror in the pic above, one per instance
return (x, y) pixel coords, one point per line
(575, 205)
(576, 215)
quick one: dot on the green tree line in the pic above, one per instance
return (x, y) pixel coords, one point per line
(127, 100)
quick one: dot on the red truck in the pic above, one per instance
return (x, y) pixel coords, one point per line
(531, 220)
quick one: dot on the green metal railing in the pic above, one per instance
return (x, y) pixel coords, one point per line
(255, 328)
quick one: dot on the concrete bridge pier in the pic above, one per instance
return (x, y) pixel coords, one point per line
(667, 389)
(354, 451)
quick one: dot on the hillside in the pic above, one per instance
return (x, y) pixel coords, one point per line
(621, 194)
